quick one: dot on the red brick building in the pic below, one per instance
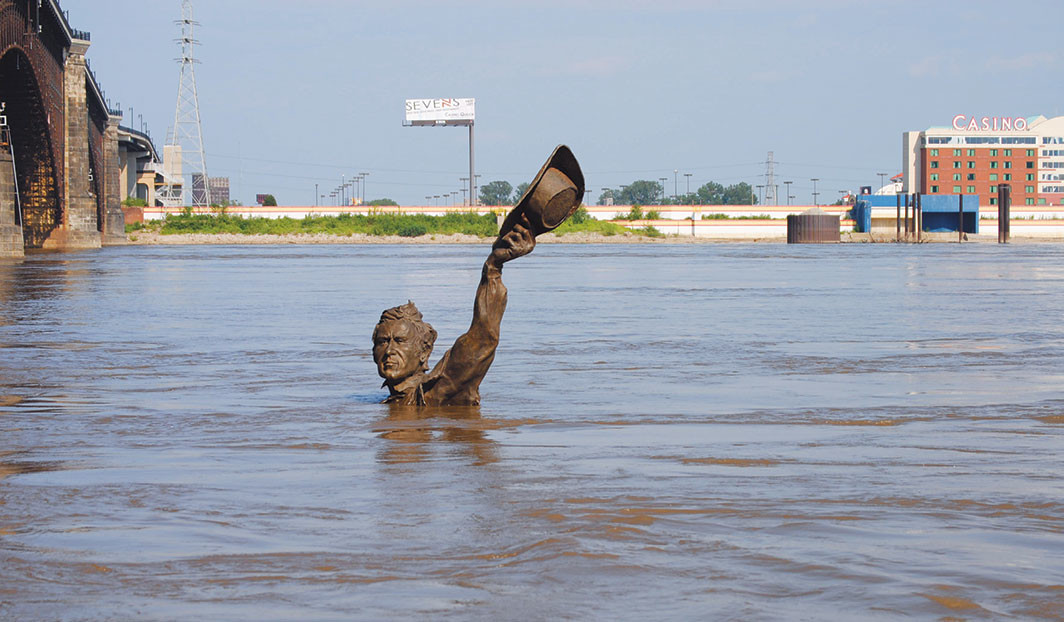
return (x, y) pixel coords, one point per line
(974, 155)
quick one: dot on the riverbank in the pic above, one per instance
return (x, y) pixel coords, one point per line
(151, 238)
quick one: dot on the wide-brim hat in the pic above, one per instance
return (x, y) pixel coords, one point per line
(553, 195)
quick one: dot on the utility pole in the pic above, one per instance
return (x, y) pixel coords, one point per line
(815, 193)
(663, 180)
(787, 185)
(881, 177)
(674, 191)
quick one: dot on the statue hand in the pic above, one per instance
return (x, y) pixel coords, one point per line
(517, 242)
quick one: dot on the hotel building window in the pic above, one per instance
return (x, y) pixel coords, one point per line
(956, 164)
(971, 189)
(971, 176)
(934, 189)
(993, 164)
(956, 177)
(957, 152)
(934, 176)
(993, 176)
(934, 164)
(1008, 176)
(956, 189)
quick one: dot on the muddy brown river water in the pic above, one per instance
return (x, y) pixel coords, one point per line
(730, 432)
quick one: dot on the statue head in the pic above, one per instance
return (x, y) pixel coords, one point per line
(402, 343)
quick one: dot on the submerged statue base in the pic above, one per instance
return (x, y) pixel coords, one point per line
(402, 340)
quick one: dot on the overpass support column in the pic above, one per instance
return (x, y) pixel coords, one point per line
(11, 243)
(114, 226)
(79, 228)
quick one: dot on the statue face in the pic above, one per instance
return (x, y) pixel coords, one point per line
(398, 351)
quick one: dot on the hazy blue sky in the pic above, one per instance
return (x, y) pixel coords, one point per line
(298, 93)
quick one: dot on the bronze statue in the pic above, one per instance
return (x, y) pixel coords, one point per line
(402, 341)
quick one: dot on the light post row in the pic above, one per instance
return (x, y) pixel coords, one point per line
(358, 184)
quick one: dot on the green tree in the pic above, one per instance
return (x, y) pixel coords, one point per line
(378, 202)
(738, 194)
(711, 193)
(687, 199)
(496, 193)
(269, 201)
(639, 192)
(608, 197)
(519, 191)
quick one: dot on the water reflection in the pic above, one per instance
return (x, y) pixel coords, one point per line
(412, 430)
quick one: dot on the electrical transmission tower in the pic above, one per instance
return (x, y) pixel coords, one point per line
(187, 136)
(770, 181)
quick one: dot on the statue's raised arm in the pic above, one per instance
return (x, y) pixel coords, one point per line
(402, 341)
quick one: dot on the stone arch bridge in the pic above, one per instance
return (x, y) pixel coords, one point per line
(59, 169)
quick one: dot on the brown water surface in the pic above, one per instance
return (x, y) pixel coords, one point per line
(744, 432)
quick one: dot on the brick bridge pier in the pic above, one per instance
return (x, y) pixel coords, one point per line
(59, 169)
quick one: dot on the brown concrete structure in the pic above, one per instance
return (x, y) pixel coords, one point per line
(64, 162)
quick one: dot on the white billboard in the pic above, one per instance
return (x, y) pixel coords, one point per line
(440, 111)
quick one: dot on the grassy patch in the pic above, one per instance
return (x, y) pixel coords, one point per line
(729, 217)
(603, 227)
(405, 225)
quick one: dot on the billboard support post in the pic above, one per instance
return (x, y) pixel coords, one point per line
(447, 112)
(472, 197)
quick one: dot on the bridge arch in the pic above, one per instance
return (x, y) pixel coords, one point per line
(36, 166)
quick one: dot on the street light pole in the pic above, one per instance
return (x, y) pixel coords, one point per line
(315, 195)
(663, 180)
(881, 182)
(364, 175)
(688, 176)
(674, 191)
